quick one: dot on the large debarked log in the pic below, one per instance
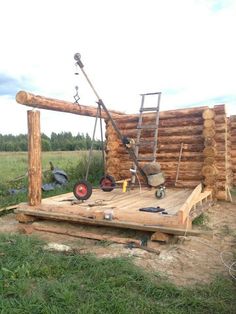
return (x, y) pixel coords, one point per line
(41, 102)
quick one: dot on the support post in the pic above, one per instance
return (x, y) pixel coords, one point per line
(34, 158)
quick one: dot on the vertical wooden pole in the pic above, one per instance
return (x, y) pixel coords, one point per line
(34, 158)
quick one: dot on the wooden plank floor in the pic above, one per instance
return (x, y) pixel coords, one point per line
(124, 206)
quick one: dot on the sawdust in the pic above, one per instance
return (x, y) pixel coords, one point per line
(189, 261)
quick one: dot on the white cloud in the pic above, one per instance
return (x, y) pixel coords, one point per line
(128, 47)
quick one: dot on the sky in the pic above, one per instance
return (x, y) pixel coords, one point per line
(184, 49)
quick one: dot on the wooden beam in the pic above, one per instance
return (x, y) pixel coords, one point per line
(95, 222)
(188, 204)
(36, 101)
(34, 159)
(82, 234)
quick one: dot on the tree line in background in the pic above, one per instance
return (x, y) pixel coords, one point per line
(64, 141)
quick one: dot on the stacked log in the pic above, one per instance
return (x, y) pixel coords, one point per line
(217, 160)
(209, 169)
(232, 124)
(223, 161)
(175, 127)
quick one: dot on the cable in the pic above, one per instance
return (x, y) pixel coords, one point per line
(230, 267)
(230, 270)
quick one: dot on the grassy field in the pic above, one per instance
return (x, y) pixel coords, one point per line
(14, 165)
(37, 281)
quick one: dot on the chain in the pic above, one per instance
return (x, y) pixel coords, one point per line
(76, 96)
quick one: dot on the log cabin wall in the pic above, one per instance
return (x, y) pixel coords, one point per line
(201, 137)
(232, 126)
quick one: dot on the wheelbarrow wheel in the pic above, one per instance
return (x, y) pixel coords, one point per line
(82, 190)
(107, 183)
(160, 193)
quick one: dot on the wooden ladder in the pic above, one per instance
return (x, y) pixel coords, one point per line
(141, 126)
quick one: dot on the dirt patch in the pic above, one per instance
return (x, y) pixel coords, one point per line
(189, 261)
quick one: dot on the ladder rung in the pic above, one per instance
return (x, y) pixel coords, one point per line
(156, 93)
(148, 109)
(146, 158)
(150, 126)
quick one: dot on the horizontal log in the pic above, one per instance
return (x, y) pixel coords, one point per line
(194, 130)
(165, 156)
(219, 109)
(221, 128)
(233, 133)
(174, 122)
(169, 114)
(233, 124)
(176, 147)
(148, 148)
(188, 176)
(184, 165)
(186, 139)
(187, 184)
(41, 102)
(165, 166)
(169, 176)
(233, 118)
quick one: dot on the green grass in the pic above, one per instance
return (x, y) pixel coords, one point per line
(74, 163)
(36, 281)
(201, 220)
(233, 191)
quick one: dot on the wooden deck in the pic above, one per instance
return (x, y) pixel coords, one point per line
(123, 206)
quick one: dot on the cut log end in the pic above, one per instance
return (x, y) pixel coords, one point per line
(22, 97)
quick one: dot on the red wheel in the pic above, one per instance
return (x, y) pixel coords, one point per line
(107, 183)
(82, 190)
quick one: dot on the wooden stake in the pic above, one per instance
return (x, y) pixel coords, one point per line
(180, 155)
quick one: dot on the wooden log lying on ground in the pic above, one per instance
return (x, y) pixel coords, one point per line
(55, 228)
